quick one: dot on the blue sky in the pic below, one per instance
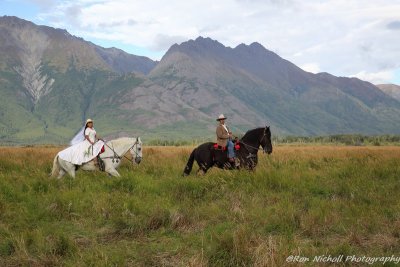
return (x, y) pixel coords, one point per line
(346, 38)
(396, 79)
(20, 9)
(32, 10)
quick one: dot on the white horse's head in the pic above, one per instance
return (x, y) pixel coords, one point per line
(136, 151)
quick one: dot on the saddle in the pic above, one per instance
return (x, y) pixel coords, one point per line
(220, 155)
(224, 148)
(218, 147)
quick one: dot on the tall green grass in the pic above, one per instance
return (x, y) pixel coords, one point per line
(299, 201)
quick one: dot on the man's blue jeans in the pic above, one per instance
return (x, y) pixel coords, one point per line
(231, 151)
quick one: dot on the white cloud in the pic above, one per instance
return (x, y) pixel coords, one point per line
(341, 37)
(311, 67)
(43, 4)
(375, 77)
(163, 42)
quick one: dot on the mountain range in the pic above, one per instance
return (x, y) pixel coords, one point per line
(51, 81)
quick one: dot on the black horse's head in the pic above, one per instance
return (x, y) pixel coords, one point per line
(265, 140)
(258, 137)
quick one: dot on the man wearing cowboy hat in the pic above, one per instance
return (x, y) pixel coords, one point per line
(224, 136)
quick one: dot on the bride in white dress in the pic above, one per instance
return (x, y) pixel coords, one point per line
(85, 146)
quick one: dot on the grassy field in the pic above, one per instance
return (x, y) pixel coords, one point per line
(301, 200)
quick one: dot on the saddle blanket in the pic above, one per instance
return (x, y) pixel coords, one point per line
(223, 148)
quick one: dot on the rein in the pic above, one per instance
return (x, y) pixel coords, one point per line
(116, 154)
(247, 145)
(256, 148)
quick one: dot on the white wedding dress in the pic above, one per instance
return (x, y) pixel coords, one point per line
(82, 150)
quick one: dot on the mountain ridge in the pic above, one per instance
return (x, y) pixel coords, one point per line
(392, 90)
(49, 87)
(73, 48)
(278, 79)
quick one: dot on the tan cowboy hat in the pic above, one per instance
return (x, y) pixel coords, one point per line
(89, 120)
(221, 117)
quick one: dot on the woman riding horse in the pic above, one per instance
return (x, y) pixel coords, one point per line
(85, 148)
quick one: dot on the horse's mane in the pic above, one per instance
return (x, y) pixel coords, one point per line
(251, 133)
(120, 140)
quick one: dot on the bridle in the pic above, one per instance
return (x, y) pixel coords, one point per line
(262, 138)
(117, 157)
(136, 150)
(260, 142)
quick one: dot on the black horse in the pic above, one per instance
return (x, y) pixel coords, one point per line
(207, 155)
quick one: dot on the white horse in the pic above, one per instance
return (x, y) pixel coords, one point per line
(115, 150)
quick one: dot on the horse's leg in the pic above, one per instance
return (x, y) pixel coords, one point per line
(67, 167)
(71, 171)
(110, 169)
(89, 166)
(203, 168)
(113, 172)
(70, 168)
(60, 166)
(204, 156)
(61, 173)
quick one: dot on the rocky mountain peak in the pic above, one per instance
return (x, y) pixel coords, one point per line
(13, 21)
(32, 50)
(255, 46)
(200, 47)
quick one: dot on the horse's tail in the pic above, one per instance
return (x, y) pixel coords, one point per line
(189, 164)
(56, 167)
